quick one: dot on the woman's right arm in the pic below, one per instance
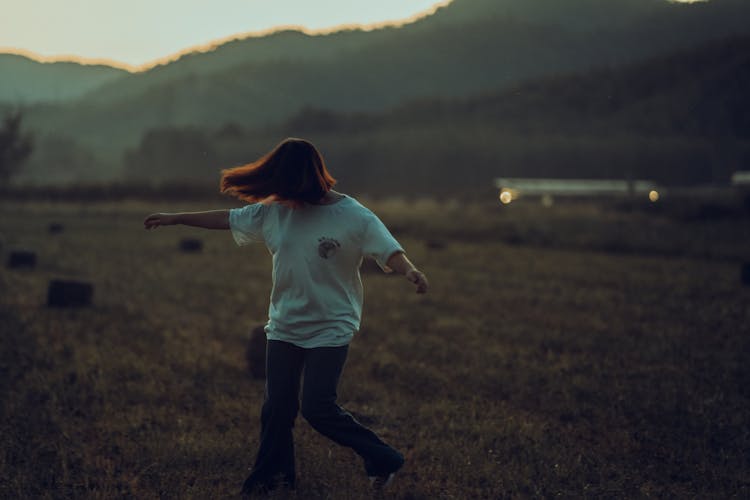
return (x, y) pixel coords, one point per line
(213, 219)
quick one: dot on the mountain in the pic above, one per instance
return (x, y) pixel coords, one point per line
(255, 53)
(576, 15)
(285, 45)
(467, 47)
(25, 81)
(699, 92)
(677, 119)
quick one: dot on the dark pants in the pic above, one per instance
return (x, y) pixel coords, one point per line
(322, 369)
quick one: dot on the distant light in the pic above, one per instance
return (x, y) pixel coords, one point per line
(653, 196)
(506, 197)
(547, 200)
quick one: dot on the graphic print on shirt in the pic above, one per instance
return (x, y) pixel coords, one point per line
(327, 247)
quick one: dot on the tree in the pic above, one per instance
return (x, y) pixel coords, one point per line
(172, 153)
(15, 146)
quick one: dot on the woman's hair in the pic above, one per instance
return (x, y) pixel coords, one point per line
(292, 173)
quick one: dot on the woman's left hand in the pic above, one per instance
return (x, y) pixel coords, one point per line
(418, 278)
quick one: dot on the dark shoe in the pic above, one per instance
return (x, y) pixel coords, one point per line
(255, 486)
(381, 482)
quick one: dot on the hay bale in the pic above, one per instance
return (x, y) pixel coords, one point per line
(746, 273)
(256, 352)
(63, 293)
(21, 259)
(191, 245)
(55, 228)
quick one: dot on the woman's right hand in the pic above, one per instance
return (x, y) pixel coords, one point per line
(156, 220)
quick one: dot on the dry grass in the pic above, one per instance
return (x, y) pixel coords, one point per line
(575, 352)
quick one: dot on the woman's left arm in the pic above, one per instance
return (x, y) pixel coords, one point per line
(399, 263)
(213, 219)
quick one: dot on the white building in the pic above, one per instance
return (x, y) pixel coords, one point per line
(741, 179)
(512, 188)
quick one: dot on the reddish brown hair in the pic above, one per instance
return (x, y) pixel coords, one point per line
(292, 173)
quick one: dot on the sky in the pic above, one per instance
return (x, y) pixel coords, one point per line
(138, 33)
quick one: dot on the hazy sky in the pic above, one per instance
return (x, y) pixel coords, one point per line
(137, 32)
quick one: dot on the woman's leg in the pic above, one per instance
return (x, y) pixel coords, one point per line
(281, 402)
(323, 366)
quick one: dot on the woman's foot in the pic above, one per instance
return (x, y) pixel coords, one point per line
(382, 482)
(255, 486)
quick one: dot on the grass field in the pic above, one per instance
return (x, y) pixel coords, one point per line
(577, 351)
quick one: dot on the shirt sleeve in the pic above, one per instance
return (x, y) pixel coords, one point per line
(246, 223)
(379, 243)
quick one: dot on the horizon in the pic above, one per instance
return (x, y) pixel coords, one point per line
(419, 10)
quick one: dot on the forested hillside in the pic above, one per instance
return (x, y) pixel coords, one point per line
(465, 61)
(25, 81)
(655, 120)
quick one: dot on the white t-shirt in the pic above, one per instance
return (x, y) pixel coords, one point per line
(316, 299)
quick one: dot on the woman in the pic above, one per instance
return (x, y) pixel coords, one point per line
(317, 237)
